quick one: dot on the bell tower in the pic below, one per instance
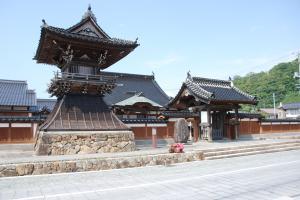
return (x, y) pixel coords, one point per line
(81, 122)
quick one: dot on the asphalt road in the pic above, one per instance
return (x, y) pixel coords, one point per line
(265, 176)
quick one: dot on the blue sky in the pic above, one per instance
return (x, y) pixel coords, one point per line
(214, 39)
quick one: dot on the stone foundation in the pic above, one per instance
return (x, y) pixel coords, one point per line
(84, 142)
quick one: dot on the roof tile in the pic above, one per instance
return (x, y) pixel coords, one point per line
(129, 85)
(15, 93)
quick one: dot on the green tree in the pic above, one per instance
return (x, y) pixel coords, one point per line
(279, 80)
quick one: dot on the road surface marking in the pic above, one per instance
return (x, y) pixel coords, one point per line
(158, 182)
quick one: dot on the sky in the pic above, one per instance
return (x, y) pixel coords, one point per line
(209, 38)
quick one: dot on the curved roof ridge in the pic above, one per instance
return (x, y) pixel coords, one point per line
(198, 91)
(211, 82)
(121, 74)
(160, 89)
(99, 39)
(53, 114)
(84, 20)
(244, 93)
(43, 99)
(137, 99)
(13, 81)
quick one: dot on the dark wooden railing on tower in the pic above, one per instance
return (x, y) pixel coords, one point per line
(85, 77)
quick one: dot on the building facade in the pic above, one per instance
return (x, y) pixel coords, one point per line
(292, 110)
(213, 100)
(18, 105)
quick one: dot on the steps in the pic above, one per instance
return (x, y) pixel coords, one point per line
(229, 152)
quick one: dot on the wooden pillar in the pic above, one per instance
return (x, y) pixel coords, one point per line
(198, 126)
(260, 126)
(146, 127)
(196, 129)
(167, 129)
(209, 127)
(9, 133)
(32, 132)
(236, 128)
(222, 123)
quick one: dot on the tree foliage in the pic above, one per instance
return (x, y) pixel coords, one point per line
(279, 80)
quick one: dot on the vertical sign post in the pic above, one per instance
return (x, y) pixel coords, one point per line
(190, 137)
(154, 138)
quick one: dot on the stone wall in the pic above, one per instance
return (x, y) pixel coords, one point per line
(92, 164)
(84, 142)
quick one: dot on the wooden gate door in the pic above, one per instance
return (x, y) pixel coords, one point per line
(218, 125)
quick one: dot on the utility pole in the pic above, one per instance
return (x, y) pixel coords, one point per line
(274, 104)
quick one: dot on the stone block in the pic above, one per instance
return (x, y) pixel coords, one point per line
(24, 169)
(83, 142)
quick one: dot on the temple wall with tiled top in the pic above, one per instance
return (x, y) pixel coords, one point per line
(256, 127)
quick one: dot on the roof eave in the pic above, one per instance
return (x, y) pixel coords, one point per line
(91, 39)
(234, 101)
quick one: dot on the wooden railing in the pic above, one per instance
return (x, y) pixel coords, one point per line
(85, 77)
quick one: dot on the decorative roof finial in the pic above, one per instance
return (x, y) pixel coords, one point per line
(231, 81)
(89, 13)
(153, 74)
(44, 23)
(136, 39)
(189, 75)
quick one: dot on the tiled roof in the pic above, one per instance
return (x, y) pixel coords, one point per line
(220, 90)
(86, 34)
(143, 120)
(179, 114)
(212, 90)
(138, 98)
(89, 30)
(46, 103)
(113, 41)
(291, 106)
(243, 115)
(269, 110)
(129, 85)
(82, 112)
(89, 15)
(280, 120)
(16, 93)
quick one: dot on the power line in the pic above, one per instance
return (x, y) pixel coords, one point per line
(272, 61)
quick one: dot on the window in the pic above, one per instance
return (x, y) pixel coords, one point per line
(22, 108)
(5, 107)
